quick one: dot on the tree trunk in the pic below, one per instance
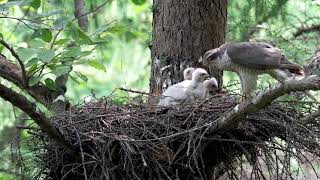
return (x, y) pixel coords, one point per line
(79, 13)
(183, 30)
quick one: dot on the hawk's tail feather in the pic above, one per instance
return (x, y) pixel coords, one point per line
(293, 68)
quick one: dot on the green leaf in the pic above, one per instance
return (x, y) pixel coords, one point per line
(82, 76)
(72, 52)
(100, 30)
(50, 84)
(77, 34)
(117, 29)
(31, 62)
(26, 54)
(35, 4)
(50, 13)
(46, 35)
(36, 34)
(85, 53)
(46, 55)
(1, 36)
(60, 70)
(97, 65)
(129, 36)
(32, 69)
(138, 2)
(61, 41)
(16, 3)
(34, 80)
(36, 43)
(60, 22)
(100, 40)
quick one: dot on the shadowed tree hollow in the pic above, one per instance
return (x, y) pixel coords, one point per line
(182, 32)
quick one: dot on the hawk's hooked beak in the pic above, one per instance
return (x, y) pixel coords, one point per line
(209, 55)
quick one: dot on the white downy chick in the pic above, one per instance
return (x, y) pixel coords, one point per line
(210, 85)
(187, 73)
(186, 91)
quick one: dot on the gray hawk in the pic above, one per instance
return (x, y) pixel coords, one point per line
(250, 59)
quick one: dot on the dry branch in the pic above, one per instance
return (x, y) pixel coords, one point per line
(263, 99)
(39, 117)
(307, 29)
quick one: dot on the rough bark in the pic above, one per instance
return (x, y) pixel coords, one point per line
(182, 32)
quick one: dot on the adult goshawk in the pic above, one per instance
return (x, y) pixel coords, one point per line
(250, 59)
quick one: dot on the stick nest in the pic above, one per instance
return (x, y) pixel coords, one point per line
(140, 141)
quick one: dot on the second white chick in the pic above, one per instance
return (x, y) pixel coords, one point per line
(187, 73)
(186, 91)
(210, 85)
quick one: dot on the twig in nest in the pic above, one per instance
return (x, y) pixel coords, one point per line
(26, 127)
(82, 157)
(134, 91)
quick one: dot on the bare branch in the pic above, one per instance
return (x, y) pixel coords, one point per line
(307, 29)
(22, 20)
(134, 91)
(38, 116)
(263, 99)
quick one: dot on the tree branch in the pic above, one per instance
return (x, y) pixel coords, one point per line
(14, 54)
(233, 117)
(307, 29)
(40, 92)
(39, 117)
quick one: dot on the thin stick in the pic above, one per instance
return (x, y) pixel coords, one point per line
(134, 91)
